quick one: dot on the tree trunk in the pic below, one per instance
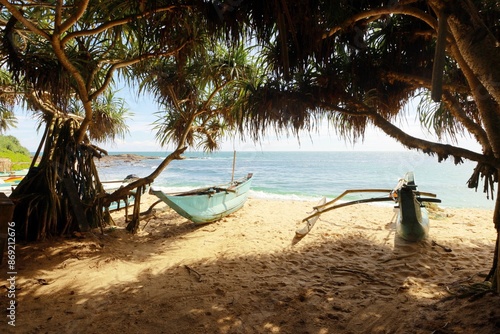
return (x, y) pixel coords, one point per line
(496, 279)
(495, 270)
(63, 194)
(477, 45)
(57, 196)
(133, 226)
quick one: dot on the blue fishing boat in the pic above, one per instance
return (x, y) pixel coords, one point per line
(206, 205)
(412, 222)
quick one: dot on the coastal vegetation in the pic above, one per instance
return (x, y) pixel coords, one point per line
(353, 64)
(11, 149)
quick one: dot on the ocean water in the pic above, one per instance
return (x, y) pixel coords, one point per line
(310, 175)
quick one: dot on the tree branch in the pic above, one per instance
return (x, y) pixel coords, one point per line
(175, 155)
(27, 23)
(121, 64)
(212, 95)
(82, 6)
(80, 83)
(399, 9)
(450, 101)
(419, 81)
(439, 58)
(442, 150)
(474, 128)
(58, 16)
(110, 24)
(487, 106)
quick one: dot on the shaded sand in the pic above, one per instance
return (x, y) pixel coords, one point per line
(247, 274)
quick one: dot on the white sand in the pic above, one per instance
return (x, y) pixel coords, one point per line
(247, 274)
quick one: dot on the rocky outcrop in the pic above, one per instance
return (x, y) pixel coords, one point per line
(113, 159)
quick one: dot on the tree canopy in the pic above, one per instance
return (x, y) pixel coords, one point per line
(351, 63)
(360, 62)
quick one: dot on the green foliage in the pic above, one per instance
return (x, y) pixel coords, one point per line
(110, 115)
(10, 148)
(12, 144)
(7, 118)
(203, 95)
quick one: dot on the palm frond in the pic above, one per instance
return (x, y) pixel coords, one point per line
(7, 119)
(436, 117)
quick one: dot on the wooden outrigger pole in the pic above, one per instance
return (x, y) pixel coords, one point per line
(399, 193)
(234, 165)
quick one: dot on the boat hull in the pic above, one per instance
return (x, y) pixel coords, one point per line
(415, 231)
(208, 204)
(412, 222)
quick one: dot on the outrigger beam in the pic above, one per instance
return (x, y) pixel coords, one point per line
(349, 191)
(322, 208)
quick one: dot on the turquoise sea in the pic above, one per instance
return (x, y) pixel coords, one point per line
(310, 175)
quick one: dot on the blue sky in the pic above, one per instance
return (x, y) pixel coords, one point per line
(142, 137)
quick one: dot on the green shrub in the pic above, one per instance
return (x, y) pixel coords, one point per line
(12, 144)
(10, 148)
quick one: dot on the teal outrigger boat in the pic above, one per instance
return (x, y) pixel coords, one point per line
(206, 205)
(412, 222)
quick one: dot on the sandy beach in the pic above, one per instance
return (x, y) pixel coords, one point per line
(248, 274)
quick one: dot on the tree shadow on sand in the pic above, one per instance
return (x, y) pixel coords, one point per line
(346, 283)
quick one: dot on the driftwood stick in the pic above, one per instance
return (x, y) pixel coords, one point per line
(191, 270)
(148, 213)
(446, 249)
(152, 206)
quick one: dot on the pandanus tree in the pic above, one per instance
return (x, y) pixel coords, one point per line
(65, 54)
(358, 63)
